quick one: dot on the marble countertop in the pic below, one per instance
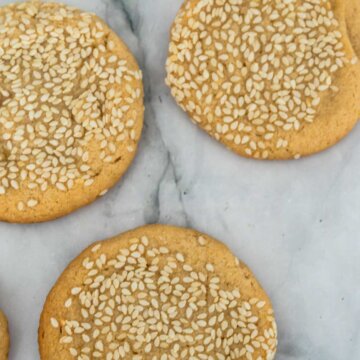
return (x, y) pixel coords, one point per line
(296, 224)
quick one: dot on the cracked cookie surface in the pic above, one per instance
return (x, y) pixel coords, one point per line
(270, 79)
(157, 292)
(71, 110)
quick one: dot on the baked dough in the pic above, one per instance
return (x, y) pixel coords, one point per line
(269, 79)
(157, 292)
(71, 110)
(4, 337)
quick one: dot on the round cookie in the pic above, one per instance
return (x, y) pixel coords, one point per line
(269, 79)
(71, 110)
(157, 292)
(4, 338)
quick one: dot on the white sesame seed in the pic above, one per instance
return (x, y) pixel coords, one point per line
(32, 203)
(21, 206)
(202, 241)
(96, 248)
(210, 267)
(54, 323)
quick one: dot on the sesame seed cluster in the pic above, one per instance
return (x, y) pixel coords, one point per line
(148, 301)
(70, 100)
(253, 74)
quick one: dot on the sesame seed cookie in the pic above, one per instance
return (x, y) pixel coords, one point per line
(157, 292)
(4, 338)
(71, 110)
(270, 79)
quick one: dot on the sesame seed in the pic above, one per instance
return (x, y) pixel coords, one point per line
(180, 257)
(32, 203)
(104, 192)
(75, 291)
(210, 267)
(96, 248)
(54, 323)
(21, 206)
(202, 241)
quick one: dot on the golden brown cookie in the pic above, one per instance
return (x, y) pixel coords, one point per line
(157, 292)
(4, 338)
(352, 23)
(269, 79)
(71, 110)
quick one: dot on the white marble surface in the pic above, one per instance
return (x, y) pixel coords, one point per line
(296, 224)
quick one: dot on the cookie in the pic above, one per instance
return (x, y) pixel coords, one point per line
(157, 292)
(352, 9)
(269, 79)
(4, 338)
(71, 110)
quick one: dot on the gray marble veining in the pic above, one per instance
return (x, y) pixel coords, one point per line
(296, 224)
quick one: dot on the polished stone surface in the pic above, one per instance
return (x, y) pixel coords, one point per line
(296, 224)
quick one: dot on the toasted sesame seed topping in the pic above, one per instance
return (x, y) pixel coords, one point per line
(202, 241)
(145, 298)
(104, 192)
(64, 89)
(54, 323)
(32, 203)
(21, 206)
(252, 73)
(210, 267)
(96, 248)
